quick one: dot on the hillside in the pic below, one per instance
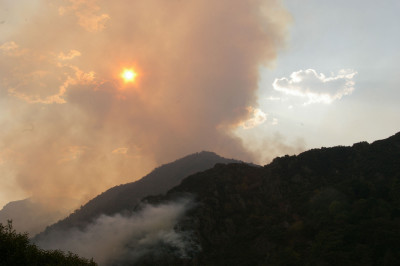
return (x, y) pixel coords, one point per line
(29, 216)
(329, 206)
(125, 197)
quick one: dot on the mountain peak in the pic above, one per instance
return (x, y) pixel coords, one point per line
(126, 196)
(337, 204)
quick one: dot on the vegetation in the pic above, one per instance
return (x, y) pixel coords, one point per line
(16, 249)
(329, 206)
(125, 197)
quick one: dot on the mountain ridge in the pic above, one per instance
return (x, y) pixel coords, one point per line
(124, 197)
(328, 206)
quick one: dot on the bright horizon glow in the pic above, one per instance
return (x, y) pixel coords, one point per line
(128, 75)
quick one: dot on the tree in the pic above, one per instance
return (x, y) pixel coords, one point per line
(16, 249)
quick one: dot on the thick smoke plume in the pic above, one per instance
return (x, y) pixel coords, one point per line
(110, 239)
(70, 127)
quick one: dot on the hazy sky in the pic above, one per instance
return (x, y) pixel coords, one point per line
(327, 37)
(246, 79)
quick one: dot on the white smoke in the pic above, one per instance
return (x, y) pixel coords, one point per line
(120, 237)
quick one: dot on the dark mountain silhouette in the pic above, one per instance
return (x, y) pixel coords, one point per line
(125, 197)
(329, 206)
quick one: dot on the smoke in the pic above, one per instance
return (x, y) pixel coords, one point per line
(70, 127)
(276, 144)
(127, 238)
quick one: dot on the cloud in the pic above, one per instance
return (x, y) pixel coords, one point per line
(272, 98)
(317, 88)
(259, 117)
(86, 13)
(70, 55)
(127, 237)
(197, 72)
(11, 49)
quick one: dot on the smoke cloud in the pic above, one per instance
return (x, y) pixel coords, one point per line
(259, 117)
(127, 238)
(70, 127)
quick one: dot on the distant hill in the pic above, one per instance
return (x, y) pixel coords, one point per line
(29, 216)
(126, 197)
(329, 206)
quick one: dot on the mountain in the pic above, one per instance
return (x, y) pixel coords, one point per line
(29, 216)
(125, 197)
(329, 206)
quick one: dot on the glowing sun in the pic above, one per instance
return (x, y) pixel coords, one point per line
(128, 75)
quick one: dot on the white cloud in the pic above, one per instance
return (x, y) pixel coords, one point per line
(259, 117)
(317, 88)
(272, 98)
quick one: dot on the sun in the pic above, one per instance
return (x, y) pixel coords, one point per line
(128, 75)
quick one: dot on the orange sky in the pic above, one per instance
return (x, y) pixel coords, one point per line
(70, 126)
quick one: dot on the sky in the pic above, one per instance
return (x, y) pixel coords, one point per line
(359, 38)
(247, 79)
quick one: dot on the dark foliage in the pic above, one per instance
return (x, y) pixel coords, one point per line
(329, 206)
(125, 197)
(15, 250)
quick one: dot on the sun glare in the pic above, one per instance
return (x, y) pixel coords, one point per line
(128, 75)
